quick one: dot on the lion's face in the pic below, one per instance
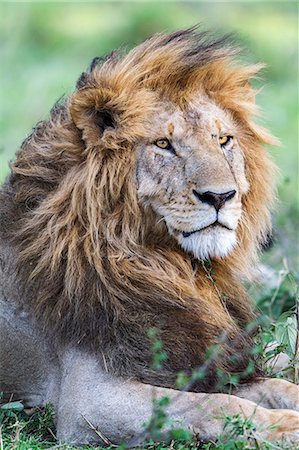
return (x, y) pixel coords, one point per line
(191, 172)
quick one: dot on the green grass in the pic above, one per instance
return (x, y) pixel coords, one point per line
(45, 46)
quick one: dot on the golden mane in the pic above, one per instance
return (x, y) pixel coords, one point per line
(93, 270)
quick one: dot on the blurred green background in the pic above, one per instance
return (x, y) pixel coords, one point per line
(45, 46)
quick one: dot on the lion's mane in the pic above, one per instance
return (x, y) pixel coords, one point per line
(96, 270)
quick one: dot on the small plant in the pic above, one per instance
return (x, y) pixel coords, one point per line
(279, 334)
(159, 419)
(159, 356)
(19, 430)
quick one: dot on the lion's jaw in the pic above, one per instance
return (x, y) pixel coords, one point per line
(207, 235)
(178, 183)
(214, 241)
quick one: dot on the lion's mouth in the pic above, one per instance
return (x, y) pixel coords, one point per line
(186, 234)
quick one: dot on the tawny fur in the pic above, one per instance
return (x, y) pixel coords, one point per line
(96, 268)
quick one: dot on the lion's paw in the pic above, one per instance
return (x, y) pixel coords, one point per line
(284, 426)
(283, 394)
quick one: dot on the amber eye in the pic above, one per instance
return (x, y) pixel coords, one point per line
(163, 143)
(225, 140)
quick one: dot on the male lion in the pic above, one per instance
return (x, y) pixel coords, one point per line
(112, 209)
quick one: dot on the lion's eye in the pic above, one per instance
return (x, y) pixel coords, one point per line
(225, 140)
(164, 144)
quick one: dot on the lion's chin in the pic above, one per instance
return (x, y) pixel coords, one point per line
(214, 242)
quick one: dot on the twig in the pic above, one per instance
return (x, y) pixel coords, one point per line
(98, 433)
(51, 433)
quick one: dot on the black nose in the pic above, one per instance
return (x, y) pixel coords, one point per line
(214, 199)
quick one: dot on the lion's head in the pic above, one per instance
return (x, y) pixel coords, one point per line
(183, 111)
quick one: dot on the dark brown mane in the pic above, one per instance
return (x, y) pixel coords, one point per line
(92, 270)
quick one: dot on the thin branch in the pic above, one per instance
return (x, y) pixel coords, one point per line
(99, 433)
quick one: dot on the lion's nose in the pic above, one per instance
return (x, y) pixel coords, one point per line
(213, 198)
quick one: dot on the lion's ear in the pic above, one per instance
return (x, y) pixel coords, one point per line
(94, 112)
(104, 119)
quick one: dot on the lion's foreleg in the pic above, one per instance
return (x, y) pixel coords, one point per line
(271, 393)
(95, 407)
(28, 366)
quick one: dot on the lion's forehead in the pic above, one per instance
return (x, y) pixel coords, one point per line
(199, 117)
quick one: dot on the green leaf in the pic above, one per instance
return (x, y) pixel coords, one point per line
(12, 406)
(180, 434)
(286, 332)
(182, 380)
